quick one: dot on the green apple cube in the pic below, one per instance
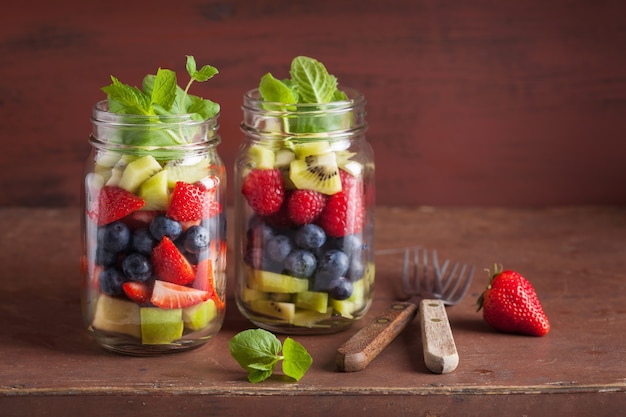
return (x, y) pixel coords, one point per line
(117, 315)
(198, 316)
(161, 326)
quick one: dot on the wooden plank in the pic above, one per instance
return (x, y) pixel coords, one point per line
(575, 257)
(469, 103)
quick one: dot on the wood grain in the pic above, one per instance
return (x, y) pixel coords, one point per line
(480, 102)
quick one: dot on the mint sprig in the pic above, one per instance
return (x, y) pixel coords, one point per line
(258, 351)
(310, 83)
(161, 96)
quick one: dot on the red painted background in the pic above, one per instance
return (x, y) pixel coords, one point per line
(490, 102)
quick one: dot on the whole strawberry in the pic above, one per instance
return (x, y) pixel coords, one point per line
(510, 305)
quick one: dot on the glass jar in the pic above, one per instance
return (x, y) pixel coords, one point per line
(304, 215)
(154, 244)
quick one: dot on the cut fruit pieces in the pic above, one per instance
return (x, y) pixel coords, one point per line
(312, 300)
(309, 318)
(137, 171)
(200, 315)
(189, 173)
(117, 315)
(248, 295)
(272, 282)
(275, 309)
(260, 157)
(316, 172)
(305, 149)
(161, 326)
(155, 192)
(283, 158)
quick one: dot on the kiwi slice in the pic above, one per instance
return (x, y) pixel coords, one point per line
(137, 171)
(312, 300)
(261, 157)
(305, 149)
(248, 294)
(310, 318)
(345, 162)
(272, 282)
(186, 172)
(154, 191)
(115, 175)
(275, 309)
(316, 172)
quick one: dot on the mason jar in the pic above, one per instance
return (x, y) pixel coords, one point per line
(304, 215)
(153, 225)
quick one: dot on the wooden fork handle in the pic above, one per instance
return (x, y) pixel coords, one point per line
(440, 354)
(367, 343)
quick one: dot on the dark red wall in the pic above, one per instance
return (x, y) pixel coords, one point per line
(490, 102)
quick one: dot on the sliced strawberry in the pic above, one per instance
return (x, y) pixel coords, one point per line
(204, 276)
(114, 203)
(138, 292)
(140, 218)
(192, 202)
(171, 265)
(169, 295)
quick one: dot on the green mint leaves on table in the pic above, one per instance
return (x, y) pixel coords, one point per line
(258, 352)
(160, 96)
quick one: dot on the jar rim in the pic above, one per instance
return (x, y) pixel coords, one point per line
(101, 114)
(253, 101)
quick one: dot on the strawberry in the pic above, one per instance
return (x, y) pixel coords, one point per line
(510, 305)
(189, 202)
(264, 189)
(114, 203)
(343, 214)
(171, 265)
(304, 206)
(138, 292)
(169, 295)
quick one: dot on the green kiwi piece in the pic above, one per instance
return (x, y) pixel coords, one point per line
(312, 300)
(155, 192)
(275, 309)
(272, 282)
(137, 171)
(311, 148)
(198, 316)
(310, 318)
(186, 172)
(261, 157)
(161, 326)
(316, 172)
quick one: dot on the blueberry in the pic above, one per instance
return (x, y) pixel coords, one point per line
(137, 267)
(196, 239)
(111, 280)
(114, 237)
(300, 263)
(164, 226)
(254, 258)
(340, 289)
(105, 258)
(278, 247)
(334, 263)
(356, 270)
(259, 233)
(310, 236)
(351, 244)
(142, 241)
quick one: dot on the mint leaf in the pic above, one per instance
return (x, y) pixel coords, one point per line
(314, 82)
(296, 359)
(206, 72)
(258, 352)
(164, 89)
(127, 99)
(276, 91)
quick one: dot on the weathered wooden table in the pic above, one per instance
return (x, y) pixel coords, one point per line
(575, 257)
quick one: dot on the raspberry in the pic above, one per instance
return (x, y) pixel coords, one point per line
(342, 215)
(305, 205)
(264, 190)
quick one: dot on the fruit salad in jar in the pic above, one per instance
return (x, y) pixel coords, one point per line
(304, 209)
(154, 226)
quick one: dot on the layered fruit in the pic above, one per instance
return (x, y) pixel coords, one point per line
(155, 249)
(306, 263)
